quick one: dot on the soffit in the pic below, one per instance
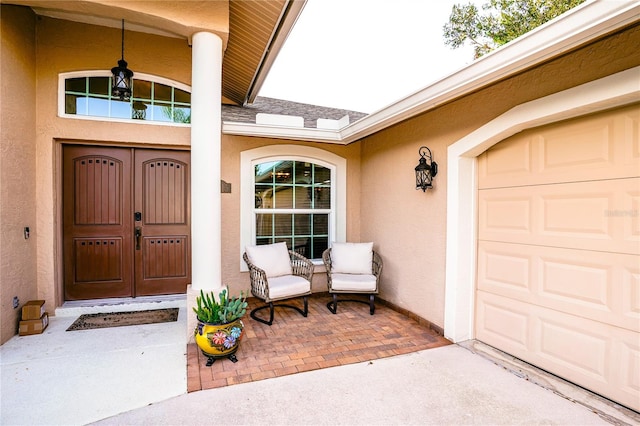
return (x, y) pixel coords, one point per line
(252, 27)
(178, 19)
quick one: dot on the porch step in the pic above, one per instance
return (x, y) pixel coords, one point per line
(146, 303)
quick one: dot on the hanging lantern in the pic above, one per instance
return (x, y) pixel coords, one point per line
(121, 76)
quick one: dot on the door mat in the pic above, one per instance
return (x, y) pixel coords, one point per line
(120, 319)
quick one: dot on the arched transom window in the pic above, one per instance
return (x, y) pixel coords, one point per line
(156, 101)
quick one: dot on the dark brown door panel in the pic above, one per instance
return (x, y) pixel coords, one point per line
(162, 190)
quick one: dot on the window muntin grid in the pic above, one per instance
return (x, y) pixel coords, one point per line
(150, 100)
(292, 203)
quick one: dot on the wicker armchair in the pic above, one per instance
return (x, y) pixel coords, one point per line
(349, 280)
(272, 280)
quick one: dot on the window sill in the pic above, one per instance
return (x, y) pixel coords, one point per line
(318, 266)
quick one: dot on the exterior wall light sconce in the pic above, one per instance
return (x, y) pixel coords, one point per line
(426, 169)
(121, 76)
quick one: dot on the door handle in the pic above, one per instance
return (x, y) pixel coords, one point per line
(138, 237)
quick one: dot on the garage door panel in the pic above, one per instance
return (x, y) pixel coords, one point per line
(629, 365)
(569, 343)
(632, 200)
(601, 358)
(584, 285)
(631, 133)
(600, 286)
(512, 161)
(498, 323)
(575, 212)
(603, 147)
(597, 146)
(631, 292)
(587, 215)
(507, 214)
(501, 269)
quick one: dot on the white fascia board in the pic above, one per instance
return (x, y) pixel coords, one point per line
(586, 22)
(282, 132)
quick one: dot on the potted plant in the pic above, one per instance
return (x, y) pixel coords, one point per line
(220, 327)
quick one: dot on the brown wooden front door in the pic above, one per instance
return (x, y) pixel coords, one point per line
(126, 215)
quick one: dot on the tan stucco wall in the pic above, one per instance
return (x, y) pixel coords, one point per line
(232, 146)
(408, 226)
(18, 263)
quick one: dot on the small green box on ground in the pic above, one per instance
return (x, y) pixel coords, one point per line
(33, 310)
(36, 326)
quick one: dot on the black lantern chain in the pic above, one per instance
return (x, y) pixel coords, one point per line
(121, 76)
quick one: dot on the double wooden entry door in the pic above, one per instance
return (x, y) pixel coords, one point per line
(126, 222)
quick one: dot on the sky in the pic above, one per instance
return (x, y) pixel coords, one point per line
(363, 55)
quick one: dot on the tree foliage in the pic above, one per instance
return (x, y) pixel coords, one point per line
(499, 22)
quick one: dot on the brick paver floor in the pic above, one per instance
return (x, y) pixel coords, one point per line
(294, 344)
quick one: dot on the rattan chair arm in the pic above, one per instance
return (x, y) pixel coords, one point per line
(301, 266)
(376, 265)
(326, 259)
(258, 279)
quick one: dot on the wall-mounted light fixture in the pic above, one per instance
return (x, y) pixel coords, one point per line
(426, 169)
(121, 76)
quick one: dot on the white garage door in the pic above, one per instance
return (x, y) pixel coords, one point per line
(558, 279)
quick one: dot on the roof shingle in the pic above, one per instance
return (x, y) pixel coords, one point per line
(310, 113)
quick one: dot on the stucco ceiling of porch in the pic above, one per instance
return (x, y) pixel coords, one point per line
(252, 31)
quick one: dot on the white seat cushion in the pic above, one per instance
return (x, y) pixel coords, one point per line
(353, 282)
(288, 286)
(351, 258)
(273, 259)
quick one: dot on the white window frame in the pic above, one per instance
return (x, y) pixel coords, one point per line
(107, 73)
(250, 158)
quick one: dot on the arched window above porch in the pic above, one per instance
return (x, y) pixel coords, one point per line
(87, 95)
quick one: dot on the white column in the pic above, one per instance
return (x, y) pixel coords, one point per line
(206, 134)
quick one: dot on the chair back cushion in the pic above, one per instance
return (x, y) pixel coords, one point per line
(351, 258)
(273, 259)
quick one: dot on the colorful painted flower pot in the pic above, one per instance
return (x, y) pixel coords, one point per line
(219, 340)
